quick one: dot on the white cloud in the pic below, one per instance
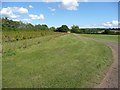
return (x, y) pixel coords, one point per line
(36, 17)
(23, 20)
(21, 10)
(26, 20)
(7, 12)
(107, 24)
(15, 19)
(51, 9)
(69, 4)
(115, 22)
(111, 24)
(30, 6)
(83, 0)
(62, 0)
(11, 11)
(51, 0)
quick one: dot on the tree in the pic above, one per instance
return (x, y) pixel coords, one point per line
(52, 28)
(6, 23)
(41, 27)
(44, 27)
(75, 29)
(63, 28)
(38, 27)
(29, 25)
(106, 31)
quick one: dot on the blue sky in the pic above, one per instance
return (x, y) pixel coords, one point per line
(84, 14)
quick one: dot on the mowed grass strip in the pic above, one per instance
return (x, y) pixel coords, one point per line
(113, 38)
(64, 61)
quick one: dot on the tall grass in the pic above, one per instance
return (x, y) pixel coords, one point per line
(10, 36)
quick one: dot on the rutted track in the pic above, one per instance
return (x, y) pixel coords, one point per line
(110, 79)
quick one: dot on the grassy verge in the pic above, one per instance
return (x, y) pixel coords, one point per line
(9, 48)
(11, 36)
(0, 70)
(113, 38)
(0, 60)
(64, 61)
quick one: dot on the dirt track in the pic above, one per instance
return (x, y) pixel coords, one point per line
(111, 77)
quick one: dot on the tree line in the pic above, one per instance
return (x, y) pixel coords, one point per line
(17, 30)
(8, 25)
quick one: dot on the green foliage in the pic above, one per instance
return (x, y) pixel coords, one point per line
(52, 28)
(10, 52)
(41, 27)
(106, 32)
(75, 29)
(111, 32)
(96, 31)
(10, 25)
(15, 31)
(25, 43)
(63, 28)
(91, 30)
(10, 36)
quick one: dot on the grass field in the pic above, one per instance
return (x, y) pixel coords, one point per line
(11, 36)
(113, 38)
(0, 71)
(62, 61)
(0, 60)
(10, 48)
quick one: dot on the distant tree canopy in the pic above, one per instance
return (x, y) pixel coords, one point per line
(19, 25)
(75, 29)
(9, 23)
(13, 25)
(52, 28)
(111, 31)
(63, 28)
(41, 27)
(92, 30)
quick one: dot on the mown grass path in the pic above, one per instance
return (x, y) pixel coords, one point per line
(61, 62)
(110, 79)
(110, 38)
